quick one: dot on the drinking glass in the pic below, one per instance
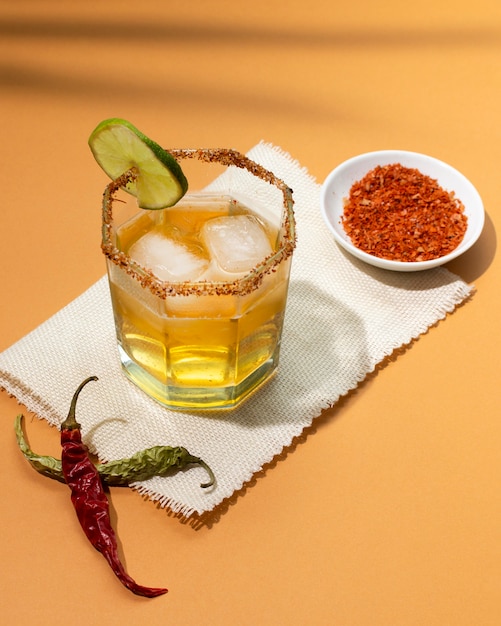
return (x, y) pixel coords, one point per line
(204, 341)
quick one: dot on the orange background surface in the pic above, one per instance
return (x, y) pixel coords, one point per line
(388, 511)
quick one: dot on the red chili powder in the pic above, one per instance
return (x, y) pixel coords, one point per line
(398, 213)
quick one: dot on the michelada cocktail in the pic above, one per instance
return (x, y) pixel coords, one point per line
(199, 288)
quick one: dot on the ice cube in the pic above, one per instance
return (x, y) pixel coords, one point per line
(237, 243)
(169, 260)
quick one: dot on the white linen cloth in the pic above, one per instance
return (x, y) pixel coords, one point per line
(343, 318)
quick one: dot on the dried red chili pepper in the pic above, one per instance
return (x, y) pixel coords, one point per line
(89, 498)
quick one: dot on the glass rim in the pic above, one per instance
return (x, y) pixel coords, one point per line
(240, 286)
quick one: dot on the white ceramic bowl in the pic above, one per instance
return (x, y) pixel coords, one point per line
(337, 185)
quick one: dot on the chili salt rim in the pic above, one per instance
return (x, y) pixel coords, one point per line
(239, 287)
(337, 185)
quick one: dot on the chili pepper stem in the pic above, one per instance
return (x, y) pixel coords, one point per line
(70, 423)
(212, 478)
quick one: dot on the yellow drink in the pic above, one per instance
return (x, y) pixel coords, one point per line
(199, 318)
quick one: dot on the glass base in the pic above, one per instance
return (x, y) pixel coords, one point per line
(197, 398)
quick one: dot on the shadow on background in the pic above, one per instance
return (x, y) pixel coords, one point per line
(19, 75)
(135, 31)
(477, 260)
(27, 79)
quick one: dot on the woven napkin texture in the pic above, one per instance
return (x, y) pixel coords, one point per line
(343, 318)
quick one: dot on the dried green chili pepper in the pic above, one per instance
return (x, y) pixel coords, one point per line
(89, 498)
(45, 465)
(155, 461)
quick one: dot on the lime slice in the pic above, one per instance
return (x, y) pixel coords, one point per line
(119, 146)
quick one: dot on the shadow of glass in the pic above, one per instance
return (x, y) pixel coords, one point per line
(323, 346)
